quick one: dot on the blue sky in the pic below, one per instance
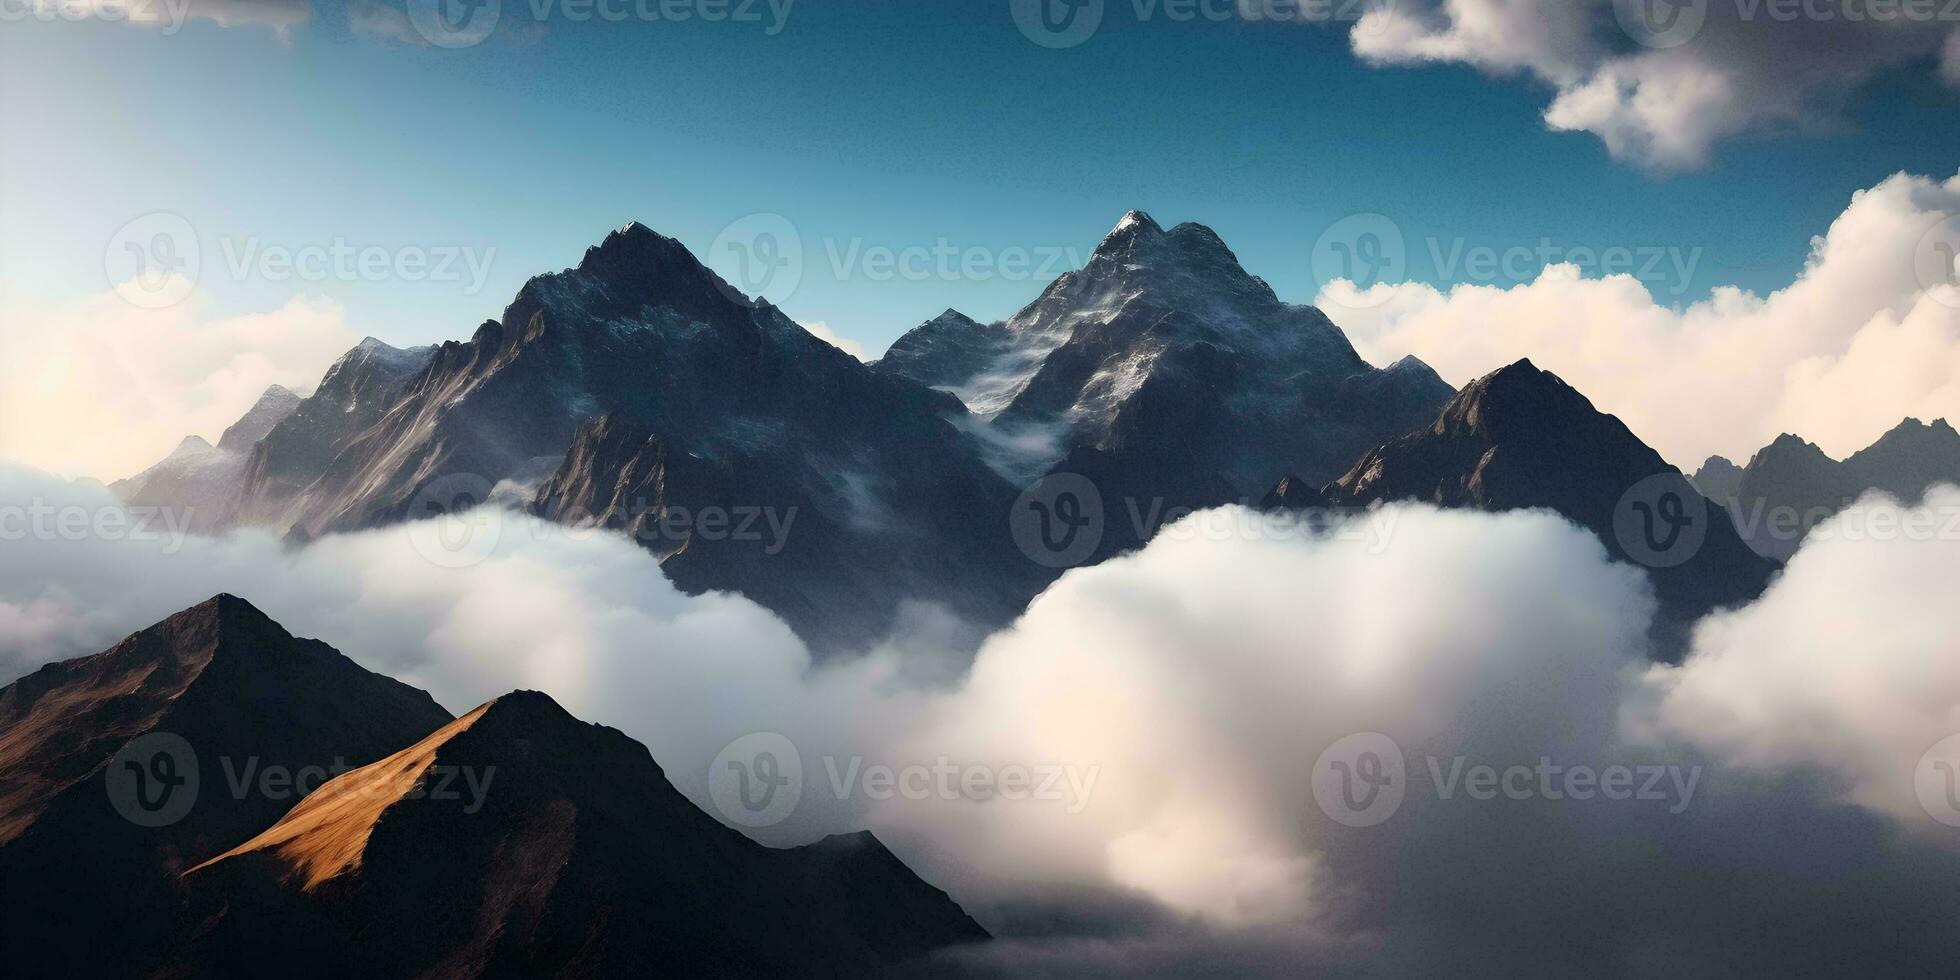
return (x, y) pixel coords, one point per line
(894, 124)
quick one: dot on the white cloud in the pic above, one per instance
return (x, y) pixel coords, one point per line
(822, 332)
(97, 387)
(1662, 91)
(1865, 336)
(1200, 678)
(1846, 665)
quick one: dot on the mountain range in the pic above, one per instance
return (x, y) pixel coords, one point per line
(1791, 485)
(640, 392)
(212, 795)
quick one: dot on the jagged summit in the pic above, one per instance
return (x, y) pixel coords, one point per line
(1521, 438)
(1719, 479)
(1789, 449)
(1514, 401)
(272, 408)
(1794, 477)
(1139, 253)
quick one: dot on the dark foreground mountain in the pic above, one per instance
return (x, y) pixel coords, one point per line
(1520, 438)
(1791, 485)
(570, 855)
(120, 770)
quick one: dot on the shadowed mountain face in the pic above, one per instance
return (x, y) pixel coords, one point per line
(947, 350)
(867, 466)
(211, 797)
(1791, 486)
(1521, 438)
(1163, 349)
(356, 393)
(642, 329)
(97, 812)
(736, 522)
(568, 854)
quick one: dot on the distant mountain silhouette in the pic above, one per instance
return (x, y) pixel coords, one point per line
(1791, 486)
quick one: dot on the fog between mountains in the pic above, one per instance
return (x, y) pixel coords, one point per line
(1201, 678)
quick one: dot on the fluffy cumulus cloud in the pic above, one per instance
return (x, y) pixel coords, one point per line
(1663, 81)
(102, 388)
(1192, 701)
(1847, 666)
(1868, 334)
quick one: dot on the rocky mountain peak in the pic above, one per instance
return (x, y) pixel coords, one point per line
(1719, 479)
(1519, 400)
(1788, 450)
(191, 446)
(272, 408)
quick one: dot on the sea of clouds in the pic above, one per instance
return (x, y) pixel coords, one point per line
(1138, 766)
